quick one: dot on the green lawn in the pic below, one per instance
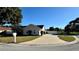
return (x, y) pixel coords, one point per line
(19, 39)
(75, 33)
(66, 38)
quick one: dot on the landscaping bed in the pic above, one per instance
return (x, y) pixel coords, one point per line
(66, 38)
(19, 39)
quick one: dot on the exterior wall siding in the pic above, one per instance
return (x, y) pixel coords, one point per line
(34, 30)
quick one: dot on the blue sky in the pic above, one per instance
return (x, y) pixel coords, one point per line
(49, 16)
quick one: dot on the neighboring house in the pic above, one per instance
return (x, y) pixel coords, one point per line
(8, 29)
(52, 32)
(26, 30)
(34, 30)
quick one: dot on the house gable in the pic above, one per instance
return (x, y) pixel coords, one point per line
(35, 29)
(31, 27)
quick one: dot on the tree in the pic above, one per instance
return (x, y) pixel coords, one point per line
(51, 28)
(19, 30)
(10, 15)
(73, 26)
(57, 29)
(67, 29)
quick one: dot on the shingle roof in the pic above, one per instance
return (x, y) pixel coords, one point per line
(40, 26)
(23, 26)
(10, 28)
(5, 28)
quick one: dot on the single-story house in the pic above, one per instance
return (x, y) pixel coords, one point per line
(4, 28)
(52, 32)
(31, 29)
(34, 30)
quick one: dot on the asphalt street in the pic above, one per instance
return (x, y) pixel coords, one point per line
(18, 47)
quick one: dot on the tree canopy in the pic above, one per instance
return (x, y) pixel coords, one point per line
(51, 28)
(10, 15)
(72, 26)
(54, 29)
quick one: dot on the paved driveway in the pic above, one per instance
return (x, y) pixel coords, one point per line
(46, 39)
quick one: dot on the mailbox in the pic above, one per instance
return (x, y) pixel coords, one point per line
(14, 37)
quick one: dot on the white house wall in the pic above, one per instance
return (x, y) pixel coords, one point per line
(32, 28)
(39, 32)
(43, 29)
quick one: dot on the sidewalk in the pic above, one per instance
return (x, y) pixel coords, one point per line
(73, 42)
